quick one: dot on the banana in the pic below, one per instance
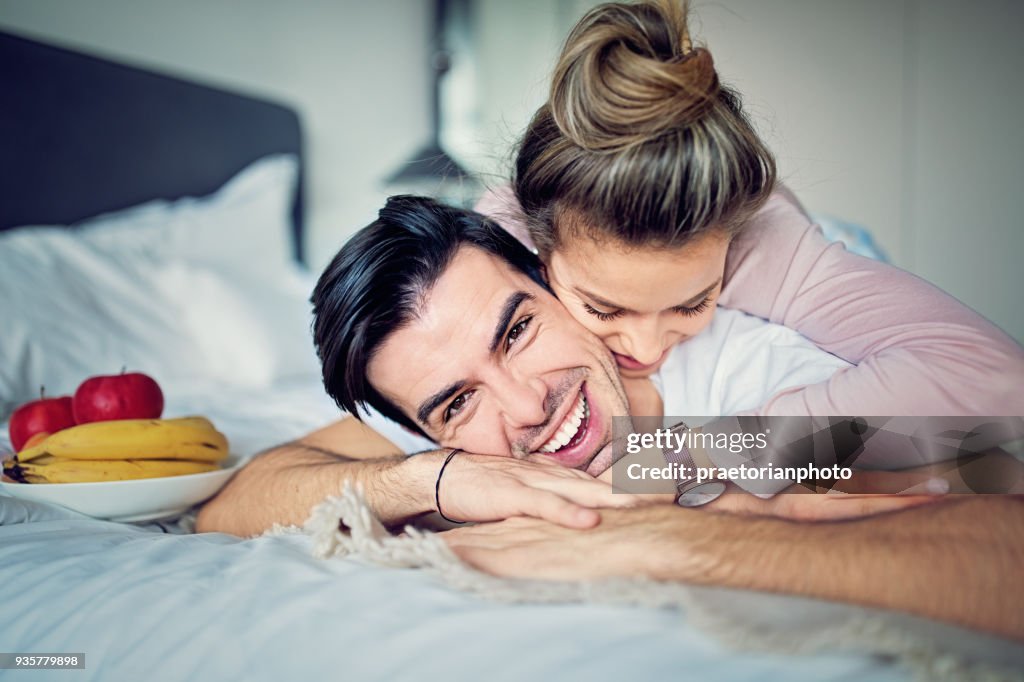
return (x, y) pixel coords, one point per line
(186, 438)
(48, 469)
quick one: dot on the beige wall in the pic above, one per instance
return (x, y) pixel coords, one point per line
(901, 115)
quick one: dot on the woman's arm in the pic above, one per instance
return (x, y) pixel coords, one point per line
(918, 350)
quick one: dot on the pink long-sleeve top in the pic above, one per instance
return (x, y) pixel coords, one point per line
(916, 349)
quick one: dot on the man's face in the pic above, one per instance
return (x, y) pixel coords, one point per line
(494, 365)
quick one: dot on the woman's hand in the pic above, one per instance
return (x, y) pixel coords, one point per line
(866, 494)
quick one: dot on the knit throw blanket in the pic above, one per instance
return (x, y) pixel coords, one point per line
(345, 526)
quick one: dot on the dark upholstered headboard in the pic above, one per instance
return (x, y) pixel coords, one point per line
(81, 135)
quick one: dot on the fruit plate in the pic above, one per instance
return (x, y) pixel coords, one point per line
(144, 499)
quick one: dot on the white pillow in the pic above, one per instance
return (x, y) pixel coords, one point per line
(244, 226)
(185, 290)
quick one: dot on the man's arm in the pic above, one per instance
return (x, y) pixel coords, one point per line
(284, 484)
(957, 561)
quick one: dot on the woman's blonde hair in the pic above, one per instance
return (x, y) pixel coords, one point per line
(639, 141)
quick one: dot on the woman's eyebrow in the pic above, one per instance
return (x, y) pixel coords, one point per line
(600, 301)
(608, 304)
(701, 296)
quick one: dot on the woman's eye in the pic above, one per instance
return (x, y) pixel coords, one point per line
(455, 406)
(603, 316)
(517, 331)
(695, 310)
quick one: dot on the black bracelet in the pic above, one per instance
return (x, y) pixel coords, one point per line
(437, 487)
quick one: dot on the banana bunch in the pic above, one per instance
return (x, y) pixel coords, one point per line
(121, 450)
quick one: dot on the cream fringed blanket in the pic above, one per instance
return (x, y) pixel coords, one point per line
(742, 619)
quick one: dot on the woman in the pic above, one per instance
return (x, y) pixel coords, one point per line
(651, 200)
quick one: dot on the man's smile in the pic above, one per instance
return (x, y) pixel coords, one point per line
(573, 439)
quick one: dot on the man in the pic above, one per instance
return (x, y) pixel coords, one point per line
(438, 289)
(472, 351)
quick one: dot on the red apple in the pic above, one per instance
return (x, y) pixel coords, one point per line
(131, 395)
(46, 414)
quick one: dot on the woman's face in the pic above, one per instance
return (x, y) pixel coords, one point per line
(641, 301)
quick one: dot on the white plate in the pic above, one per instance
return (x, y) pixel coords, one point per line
(144, 499)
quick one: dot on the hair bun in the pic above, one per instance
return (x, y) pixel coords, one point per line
(627, 74)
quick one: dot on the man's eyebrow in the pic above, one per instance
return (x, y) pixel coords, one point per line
(428, 406)
(608, 304)
(507, 313)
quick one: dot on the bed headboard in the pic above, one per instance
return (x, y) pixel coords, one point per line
(80, 135)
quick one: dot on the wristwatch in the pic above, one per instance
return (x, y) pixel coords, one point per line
(690, 492)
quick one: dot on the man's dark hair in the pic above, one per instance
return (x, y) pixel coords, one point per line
(379, 278)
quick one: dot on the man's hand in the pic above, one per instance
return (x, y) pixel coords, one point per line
(626, 543)
(488, 488)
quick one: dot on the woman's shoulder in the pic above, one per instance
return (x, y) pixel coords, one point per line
(780, 239)
(781, 221)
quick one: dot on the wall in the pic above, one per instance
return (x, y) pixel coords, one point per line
(900, 115)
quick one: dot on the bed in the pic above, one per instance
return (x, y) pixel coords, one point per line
(158, 223)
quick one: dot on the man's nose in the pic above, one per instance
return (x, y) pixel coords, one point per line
(643, 339)
(523, 401)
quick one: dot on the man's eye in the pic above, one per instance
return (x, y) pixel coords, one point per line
(603, 316)
(455, 406)
(517, 331)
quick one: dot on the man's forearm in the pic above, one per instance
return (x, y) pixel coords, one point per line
(957, 561)
(284, 485)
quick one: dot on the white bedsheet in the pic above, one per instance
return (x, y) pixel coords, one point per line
(144, 605)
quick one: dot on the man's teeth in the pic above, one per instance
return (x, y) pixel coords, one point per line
(569, 427)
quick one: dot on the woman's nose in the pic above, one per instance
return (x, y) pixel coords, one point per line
(643, 340)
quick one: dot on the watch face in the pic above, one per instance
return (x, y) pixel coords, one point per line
(701, 494)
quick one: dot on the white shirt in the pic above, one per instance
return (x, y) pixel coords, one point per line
(737, 363)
